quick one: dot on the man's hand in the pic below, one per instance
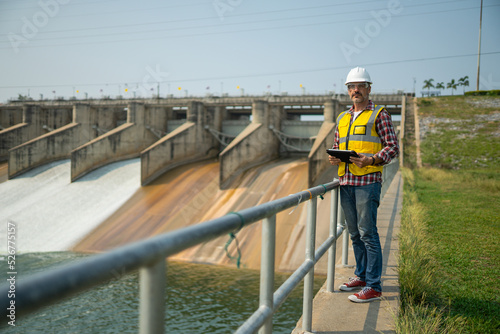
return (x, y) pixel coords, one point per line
(334, 161)
(362, 161)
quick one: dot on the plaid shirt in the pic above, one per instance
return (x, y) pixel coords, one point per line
(387, 135)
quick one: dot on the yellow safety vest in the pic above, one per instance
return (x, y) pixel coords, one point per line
(360, 136)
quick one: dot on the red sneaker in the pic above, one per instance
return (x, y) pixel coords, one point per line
(365, 296)
(353, 284)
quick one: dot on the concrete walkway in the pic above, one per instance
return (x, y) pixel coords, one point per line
(333, 312)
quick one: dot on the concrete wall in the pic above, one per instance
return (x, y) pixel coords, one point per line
(156, 119)
(56, 117)
(255, 145)
(10, 115)
(318, 158)
(44, 149)
(11, 137)
(124, 142)
(109, 117)
(36, 121)
(58, 144)
(17, 134)
(188, 143)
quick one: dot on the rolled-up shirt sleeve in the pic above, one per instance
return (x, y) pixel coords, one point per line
(336, 139)
(385, 130)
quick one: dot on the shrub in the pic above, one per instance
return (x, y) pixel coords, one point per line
(494, 92)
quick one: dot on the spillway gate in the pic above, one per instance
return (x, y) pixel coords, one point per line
(241, 132)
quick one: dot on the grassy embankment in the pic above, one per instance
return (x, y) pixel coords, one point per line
(449, 264)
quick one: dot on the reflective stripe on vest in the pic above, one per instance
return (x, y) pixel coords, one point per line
(360, 136)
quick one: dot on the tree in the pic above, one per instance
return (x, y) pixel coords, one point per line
(464, 82)
(428, 84)
(452, 84)
(440, 85)
(21, 97)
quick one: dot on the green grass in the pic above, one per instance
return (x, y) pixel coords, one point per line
(449, 265)
(416, 266)
(456, 107)
(464, 229)
(463, 132)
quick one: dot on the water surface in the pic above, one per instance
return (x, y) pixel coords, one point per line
(200, 299)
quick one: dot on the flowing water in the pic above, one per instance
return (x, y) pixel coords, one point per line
(199, 299)
(107, 208)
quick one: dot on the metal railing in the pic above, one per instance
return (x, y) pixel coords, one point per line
(149, 258)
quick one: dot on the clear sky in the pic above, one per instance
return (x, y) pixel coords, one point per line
(78, 48)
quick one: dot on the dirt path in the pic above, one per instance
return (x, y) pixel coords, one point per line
(417, 133)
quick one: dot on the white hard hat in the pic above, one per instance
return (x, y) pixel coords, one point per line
(358, 74)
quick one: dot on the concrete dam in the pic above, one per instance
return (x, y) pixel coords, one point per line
(193, 159)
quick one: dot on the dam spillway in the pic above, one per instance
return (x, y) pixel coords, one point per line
(108, 208)
(96, 175)
(52, 214)
(166, 133)
(191, 194)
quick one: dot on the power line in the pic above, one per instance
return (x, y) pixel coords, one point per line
(219, 32)
(86, 3)
(232, 16)
(212, 17)
(391, 62)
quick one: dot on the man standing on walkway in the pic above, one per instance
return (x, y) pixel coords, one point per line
(366, 129)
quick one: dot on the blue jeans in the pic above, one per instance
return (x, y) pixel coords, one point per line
(360, 204)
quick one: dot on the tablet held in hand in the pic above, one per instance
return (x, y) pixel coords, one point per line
(343, 155)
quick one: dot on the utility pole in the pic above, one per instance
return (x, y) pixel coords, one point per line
(479, 47)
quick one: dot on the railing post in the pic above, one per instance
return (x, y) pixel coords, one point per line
(268, 250)
(152, 298)
(345, 237)
(332, 252)
(309, 278)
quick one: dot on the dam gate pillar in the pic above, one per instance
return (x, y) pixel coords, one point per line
(253, 146)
